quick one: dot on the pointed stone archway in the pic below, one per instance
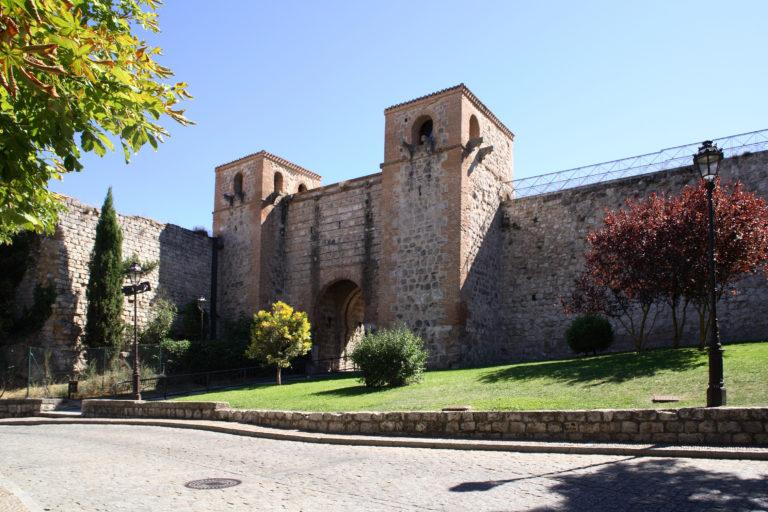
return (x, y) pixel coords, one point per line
(339, 316)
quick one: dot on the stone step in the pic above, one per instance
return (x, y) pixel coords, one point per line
(60, 414)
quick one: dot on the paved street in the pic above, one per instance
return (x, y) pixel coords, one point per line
(128, 468)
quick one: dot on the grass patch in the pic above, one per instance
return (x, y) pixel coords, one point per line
(621, 381)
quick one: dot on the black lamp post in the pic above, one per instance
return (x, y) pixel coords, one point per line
(200, 306)
(134, 274)
(707, 161)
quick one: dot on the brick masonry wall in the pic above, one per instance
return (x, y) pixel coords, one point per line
(544, 246)
(183, 272)
(726, 425)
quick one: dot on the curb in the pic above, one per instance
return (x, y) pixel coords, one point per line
(637, 450)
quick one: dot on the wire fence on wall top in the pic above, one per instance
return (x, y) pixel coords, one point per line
(665, 159)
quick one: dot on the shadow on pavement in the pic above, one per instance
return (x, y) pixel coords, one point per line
(657, 484)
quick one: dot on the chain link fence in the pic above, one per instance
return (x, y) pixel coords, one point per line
(52, 372)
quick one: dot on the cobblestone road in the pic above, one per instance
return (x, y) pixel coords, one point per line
(128, 468)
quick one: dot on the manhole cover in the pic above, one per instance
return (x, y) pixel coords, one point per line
(212, 483)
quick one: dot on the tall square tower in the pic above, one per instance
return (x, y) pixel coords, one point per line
(447, 167)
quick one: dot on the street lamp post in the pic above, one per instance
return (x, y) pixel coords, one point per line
(134, 273)
(200, 306)
(707, 161)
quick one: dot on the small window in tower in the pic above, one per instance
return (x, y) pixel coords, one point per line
(278, 183)
(302, 188)
(425, 131)
(238, 185)
(422, 130)
(474, 127)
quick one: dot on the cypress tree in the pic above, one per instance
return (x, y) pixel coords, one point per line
(104, 324)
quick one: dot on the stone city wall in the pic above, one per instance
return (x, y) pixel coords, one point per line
(486, 183)
(330, 235)
(183, 272)
(725, 425)
(545, 242)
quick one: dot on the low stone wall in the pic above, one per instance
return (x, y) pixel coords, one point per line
(20, 408)
(141, 409)
(726, 425)
(673, 426)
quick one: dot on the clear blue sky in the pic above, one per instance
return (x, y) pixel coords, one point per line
(577, 82)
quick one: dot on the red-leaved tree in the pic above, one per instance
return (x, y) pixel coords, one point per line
(653, 253)
(741, 248)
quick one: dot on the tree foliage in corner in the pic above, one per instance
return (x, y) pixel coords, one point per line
(278, 336)
(104, 325)
(73, 77)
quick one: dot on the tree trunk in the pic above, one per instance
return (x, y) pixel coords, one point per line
(640, 338)
(675, 326)
(278, 375)
(678, 324)
(703, 325)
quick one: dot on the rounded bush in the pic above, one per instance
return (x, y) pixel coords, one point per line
(390, 357)
(589, 333)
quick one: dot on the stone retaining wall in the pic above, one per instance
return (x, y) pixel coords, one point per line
(20, 408)
(727, 425)
(141, 409)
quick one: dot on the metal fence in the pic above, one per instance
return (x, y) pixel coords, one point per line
(46, 372)
(665, 159)
(50, 372)
(166, 385)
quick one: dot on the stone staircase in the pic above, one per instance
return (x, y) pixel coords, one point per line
(60, 408)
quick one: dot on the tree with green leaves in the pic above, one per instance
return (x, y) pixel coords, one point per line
(278, 336)
(104, 324)
(73, 78)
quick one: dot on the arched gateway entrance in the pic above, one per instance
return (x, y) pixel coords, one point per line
(339, 316)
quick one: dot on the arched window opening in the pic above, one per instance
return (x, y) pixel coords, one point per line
(238, 185)
(422, 130)
(278, 183)
(474, 127)
(302, 188)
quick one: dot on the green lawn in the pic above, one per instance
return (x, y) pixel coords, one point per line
(612, 381)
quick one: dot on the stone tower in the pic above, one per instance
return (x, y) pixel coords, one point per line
(249, 203)
(447, 167)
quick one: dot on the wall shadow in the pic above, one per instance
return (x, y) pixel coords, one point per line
(622, 367)
(184, 264)
(482, 340)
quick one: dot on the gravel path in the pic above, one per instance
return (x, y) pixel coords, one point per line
(127, 468)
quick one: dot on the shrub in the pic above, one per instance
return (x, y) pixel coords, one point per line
(224, 353)
(163, 316)
(390, 357)
(589, 333)
(189, 326)
(175, 354)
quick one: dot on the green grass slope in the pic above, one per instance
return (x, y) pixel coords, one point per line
(626, 380)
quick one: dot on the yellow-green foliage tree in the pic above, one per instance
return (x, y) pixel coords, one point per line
(279, 336)
(74, 77)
